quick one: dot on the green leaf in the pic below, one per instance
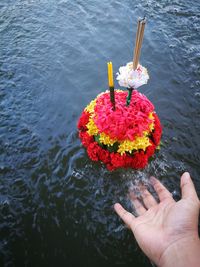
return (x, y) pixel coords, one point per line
(96, 138)
(113, 148)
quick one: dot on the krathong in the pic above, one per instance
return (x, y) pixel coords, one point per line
(121, 128)
(124, 138)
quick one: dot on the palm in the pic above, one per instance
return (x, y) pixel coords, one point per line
(159, 227)
(161, 224)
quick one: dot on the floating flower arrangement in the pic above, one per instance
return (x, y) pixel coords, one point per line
(121, 128)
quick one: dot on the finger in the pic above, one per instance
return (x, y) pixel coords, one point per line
(139, 208)
(126, 216)
(148, 199)
(187, 187)
(161, 190)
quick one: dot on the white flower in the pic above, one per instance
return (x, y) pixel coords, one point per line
(128, 77)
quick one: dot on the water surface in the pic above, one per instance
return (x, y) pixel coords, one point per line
(56, 206)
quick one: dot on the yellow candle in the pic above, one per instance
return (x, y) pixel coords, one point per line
(111, 84)
(110, 75)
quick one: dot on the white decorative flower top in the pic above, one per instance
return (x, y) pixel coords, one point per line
(130, 78)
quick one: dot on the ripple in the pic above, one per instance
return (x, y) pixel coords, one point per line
(56, 206)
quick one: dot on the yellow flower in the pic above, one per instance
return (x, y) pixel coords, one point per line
(90, 107)
(158, 147)
(151, 127)
(145, 133)
(151, 117)
(92, 128)
(138, 143)
(106, 140)
(118, 90)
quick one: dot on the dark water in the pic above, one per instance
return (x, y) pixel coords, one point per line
(56, 206)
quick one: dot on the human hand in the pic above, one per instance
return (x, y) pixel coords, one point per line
(167, 231)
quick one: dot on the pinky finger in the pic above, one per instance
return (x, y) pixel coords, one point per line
(126, 216)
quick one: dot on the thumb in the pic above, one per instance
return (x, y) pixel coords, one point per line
(187, 187)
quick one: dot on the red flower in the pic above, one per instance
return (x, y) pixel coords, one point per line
(117, 160)
(110, 167)
(156, 135)
(104, 155)
(128, 161)
(86, 139)
(93, 151)
(140, 160)
(150, 149)
(83, 120)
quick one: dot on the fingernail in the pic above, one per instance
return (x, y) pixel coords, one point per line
(116, 205)
(186, 176)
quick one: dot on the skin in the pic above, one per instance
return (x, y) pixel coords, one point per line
(166, 231)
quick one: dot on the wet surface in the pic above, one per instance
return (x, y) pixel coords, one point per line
(56, 206)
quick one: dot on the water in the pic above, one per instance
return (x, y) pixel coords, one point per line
(56, 206)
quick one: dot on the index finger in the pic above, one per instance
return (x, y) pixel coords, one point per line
(126, 216)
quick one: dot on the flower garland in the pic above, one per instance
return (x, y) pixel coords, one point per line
(124, 138)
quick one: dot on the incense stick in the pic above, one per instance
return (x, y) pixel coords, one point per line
(139, 39)
(136, 42)
(140, 42)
